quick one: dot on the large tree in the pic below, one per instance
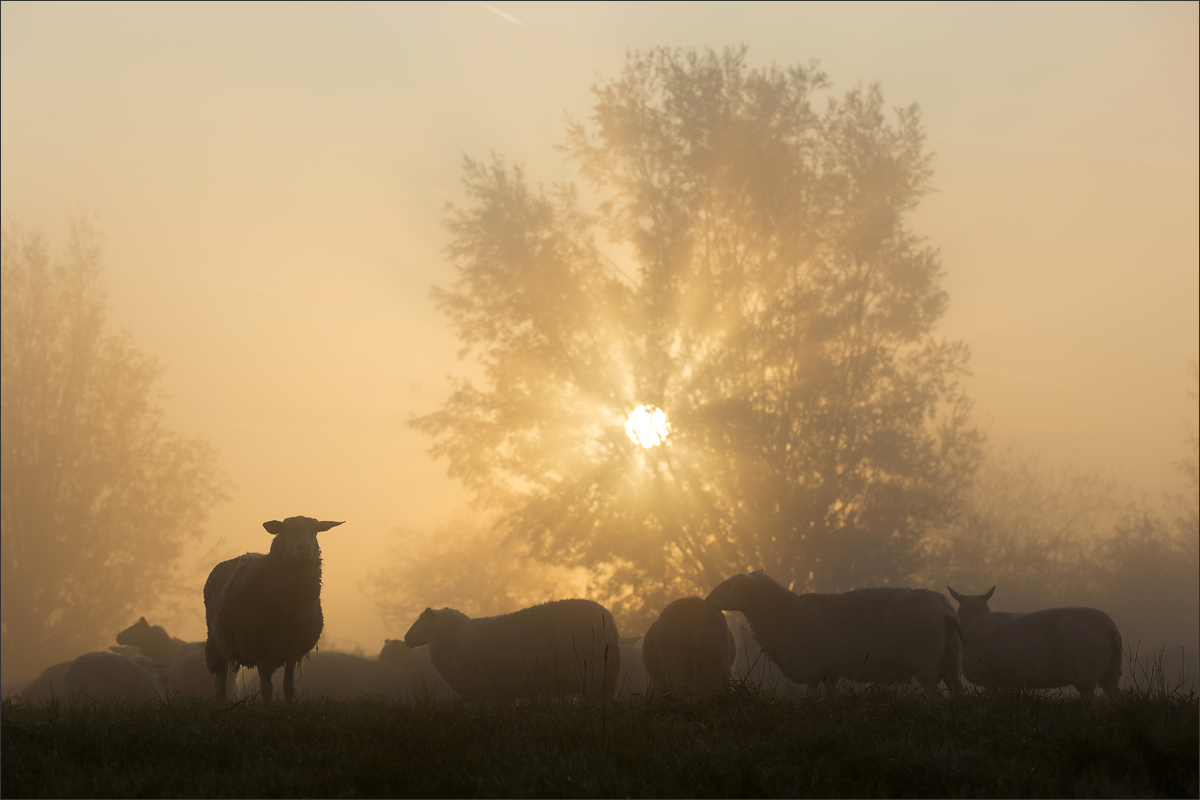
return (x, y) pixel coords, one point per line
(774, 305)
(97, 496)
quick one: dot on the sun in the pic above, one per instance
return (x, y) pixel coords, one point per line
(648, 426)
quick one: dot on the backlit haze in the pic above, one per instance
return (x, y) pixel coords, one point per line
(271, 182)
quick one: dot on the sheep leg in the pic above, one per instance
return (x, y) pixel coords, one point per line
(264, 683)
(289, 680)
(830, 683)
(813, 688)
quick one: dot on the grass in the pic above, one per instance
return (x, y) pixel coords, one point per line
(738, 742)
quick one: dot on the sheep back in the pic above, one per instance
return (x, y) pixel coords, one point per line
(104, 677)
(688, 645)
(558, 648)
(47, 685)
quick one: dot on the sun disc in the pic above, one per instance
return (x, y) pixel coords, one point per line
(647, 426)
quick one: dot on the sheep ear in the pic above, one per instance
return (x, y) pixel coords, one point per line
(954, 594)
(274, 527)
(324, 526)
(143, 620)
(989, 594)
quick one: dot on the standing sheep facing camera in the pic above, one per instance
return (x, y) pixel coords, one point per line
(1078, 647)
(877, 635)
(688, 645)
(558, 648)
(264, 611)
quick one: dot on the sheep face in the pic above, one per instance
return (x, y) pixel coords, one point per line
(972, 606)
(735, 594)
(430, 621)
(296, 539)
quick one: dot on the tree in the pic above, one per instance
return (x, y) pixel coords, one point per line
(98, 497)
(779, 312)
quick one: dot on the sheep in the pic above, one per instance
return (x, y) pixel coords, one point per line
(47, 685)
(264, 611)
(689, 645)
(751, 665)
(556, 648)
(152, 640)
(104, 677)
(633, 679)
(882, 635)
(1047, 649)
(411, 672)
(188, 675)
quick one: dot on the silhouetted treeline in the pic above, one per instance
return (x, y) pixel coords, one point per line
(97, 496)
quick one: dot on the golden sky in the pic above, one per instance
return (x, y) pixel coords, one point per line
(271, 180)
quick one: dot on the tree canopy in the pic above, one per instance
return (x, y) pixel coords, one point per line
(774, 305)
(98, 496)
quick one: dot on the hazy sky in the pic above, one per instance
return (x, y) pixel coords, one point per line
(271, 180)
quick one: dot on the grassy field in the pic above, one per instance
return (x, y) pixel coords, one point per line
(742, 743)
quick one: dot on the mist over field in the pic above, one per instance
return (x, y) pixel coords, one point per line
(915, 289)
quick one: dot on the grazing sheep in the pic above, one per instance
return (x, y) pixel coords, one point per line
(689, 645)
(264, 611)
(633, 679)
(877, 635)
(751, 665)
(152, 640)
(47, 685)
(103, 677)
(411, 673)
(1077, 647)
(557, 648)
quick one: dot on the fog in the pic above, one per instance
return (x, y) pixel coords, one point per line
(271, 181)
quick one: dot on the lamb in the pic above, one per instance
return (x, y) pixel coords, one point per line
(883, 635)
(104, 677)
(557, 648)
(689, 645)
(47, 685)
(1047, 649)
(152, 640)
(264, 611)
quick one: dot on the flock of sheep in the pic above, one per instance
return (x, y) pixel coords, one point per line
(263, 611)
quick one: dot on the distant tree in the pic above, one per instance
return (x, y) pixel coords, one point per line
(98, 497)
(778, 310)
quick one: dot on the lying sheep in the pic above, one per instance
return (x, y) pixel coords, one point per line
(1077, 647)
(689, 645)
(152, 640)
(104, 677)
(411, 672)
(47, 685)
(868, 635)
(264, 611)
(557, 648)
